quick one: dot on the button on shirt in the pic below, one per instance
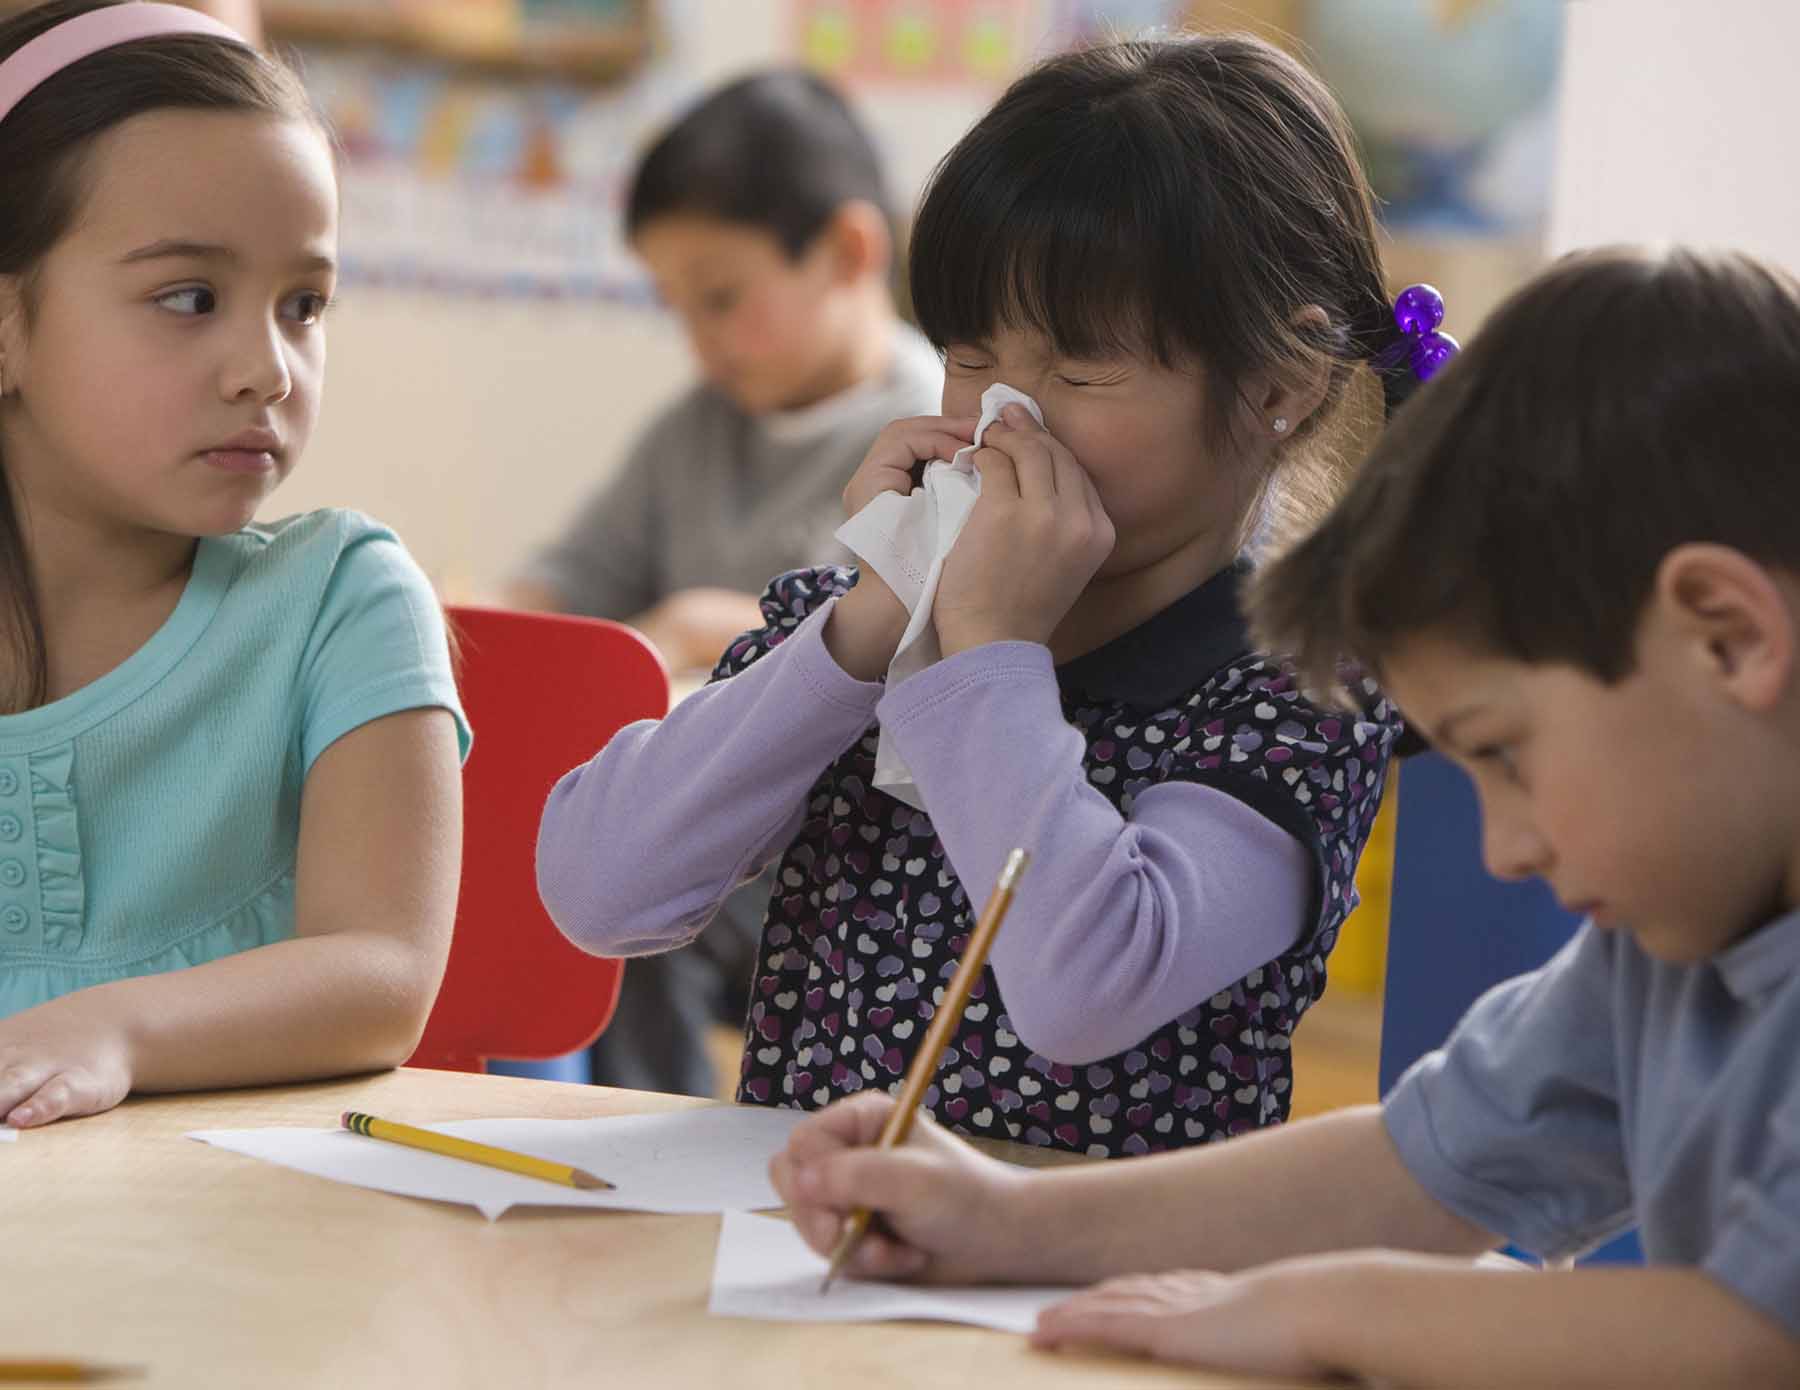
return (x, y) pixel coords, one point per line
(1609, 1088)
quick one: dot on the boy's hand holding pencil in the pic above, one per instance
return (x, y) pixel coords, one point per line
(935, 1198)
(943, 1211)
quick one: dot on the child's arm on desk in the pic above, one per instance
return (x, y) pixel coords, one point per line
(1415, 1320)
(954, 1215)
(1232, 1244)
(379, 854)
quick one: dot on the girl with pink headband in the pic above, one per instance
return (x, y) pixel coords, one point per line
(229, 788)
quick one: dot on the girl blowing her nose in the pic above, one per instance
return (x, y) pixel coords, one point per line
(1169, 246)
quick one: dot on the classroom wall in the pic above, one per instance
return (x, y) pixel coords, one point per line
(1678, 123)
(474, 426)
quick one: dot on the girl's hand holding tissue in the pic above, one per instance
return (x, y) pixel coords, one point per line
(867, 623)
(891, 465)
(1037, 535)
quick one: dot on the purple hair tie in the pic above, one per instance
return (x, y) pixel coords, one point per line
(1418, 310)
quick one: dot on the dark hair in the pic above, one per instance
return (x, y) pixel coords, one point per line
(778, 150)
(1185, 197)
(1623, 403)
(43, 142)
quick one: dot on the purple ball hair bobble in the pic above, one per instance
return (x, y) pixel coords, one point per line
(1418, 310)
(1429, 354)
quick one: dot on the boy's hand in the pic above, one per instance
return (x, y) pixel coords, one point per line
(866, 625)
(1036, 537)
(59, 1060)
(944, 1209)
(692, 626)
(1252, 1322)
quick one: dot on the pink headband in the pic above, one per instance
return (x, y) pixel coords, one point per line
(74, 39)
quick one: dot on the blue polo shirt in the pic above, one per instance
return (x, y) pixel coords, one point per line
(1610, 1088)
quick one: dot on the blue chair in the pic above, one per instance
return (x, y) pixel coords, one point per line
(1454, 930)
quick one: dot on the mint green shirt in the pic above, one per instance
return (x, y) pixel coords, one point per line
(151, 820)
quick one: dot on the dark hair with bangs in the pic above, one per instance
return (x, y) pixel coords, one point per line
(42, 144)
(1185, 198)
(780, 151)
(1623, 403)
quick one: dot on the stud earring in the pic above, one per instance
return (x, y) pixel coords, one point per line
(1281, 424)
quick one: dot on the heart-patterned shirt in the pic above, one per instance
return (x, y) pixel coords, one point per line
(868, 918)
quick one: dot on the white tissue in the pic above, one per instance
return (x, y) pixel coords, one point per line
(905, 540)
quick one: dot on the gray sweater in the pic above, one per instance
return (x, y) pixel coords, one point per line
(711, 496)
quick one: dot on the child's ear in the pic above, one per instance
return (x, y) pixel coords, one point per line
(1280, 400)
(860, 244)
(1734, 615)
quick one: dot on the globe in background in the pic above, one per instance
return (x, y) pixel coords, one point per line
(1453, 101)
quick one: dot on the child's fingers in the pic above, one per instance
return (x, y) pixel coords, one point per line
(819, 1227)
(902, 1180)
(1115, 1314)
(929, 436)
(1163, 1315)
(1032, 459)
(56, 1097)
(879, 1256)
(852, 1123)
(845, 1124)
(19, 1080)
(999, 477)
(922, 448)
(1093, 1323)
(889, 464)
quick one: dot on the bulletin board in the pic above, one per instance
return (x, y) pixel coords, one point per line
(929, 41)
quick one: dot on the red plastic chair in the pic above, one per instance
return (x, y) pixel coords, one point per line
(543, 692)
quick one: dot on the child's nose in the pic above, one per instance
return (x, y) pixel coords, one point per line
(258, 365)
(1513, 849)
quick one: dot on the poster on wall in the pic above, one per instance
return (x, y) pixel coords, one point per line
(938, 42)
(477, 179)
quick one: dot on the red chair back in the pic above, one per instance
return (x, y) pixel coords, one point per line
(543, 692)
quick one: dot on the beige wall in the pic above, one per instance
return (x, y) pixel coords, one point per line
(1679, 122)
(471, 427)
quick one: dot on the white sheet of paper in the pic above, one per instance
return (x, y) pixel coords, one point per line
(764, 1270)
(702, 1160)
(8, 1134)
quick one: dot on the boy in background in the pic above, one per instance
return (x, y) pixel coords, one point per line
(763, 218)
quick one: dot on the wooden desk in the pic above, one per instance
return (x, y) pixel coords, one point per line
(125, 1243)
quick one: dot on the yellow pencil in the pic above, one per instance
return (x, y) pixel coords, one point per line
(62, 1373)
(450, 1147)
(937, 1037)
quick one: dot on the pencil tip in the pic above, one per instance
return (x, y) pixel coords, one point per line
(588, 1182)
